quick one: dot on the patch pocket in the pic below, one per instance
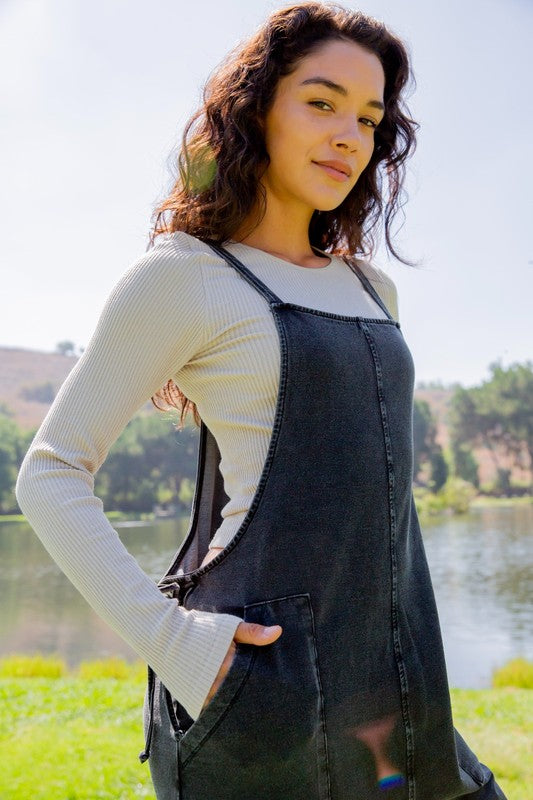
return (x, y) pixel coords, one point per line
(262, 735)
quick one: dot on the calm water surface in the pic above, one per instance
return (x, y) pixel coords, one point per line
(482, 568)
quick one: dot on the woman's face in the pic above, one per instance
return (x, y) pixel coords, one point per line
(326, 110)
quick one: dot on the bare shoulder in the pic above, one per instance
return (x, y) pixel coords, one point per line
(382, 283)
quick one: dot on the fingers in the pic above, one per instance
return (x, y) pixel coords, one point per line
(249, 633)
(253, 633)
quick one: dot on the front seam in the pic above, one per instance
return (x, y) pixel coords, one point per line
(327, 781)
(400, 664)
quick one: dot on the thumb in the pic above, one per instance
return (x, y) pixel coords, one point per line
(253, 633)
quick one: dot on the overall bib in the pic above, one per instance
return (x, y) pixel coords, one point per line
(351, 702)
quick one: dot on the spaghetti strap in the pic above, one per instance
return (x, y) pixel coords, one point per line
(367, 285)
(272, 298)
(269, 296)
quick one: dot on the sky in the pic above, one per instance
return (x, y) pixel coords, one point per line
(93, 101)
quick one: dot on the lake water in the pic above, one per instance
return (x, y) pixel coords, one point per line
(482, 568)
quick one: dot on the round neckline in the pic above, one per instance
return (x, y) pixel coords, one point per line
(284, 261)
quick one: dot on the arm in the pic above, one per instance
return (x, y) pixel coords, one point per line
(152, 324)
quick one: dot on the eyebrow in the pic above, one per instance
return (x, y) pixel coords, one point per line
(336, 87)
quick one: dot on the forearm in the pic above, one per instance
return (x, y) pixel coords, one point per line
(185, 648)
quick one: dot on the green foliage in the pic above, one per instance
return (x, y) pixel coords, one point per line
(457, 494)
(454, 497)
(465, 465)
(41, 666)
(147, 465)
(423, 433)
(36, 666)
(65, 348)
(502, 484)
(186, 492)
(518, 673)
(439, 469)
(497, 415)
(13, 445)
(150, 463)
(425, 446)
(112, 667)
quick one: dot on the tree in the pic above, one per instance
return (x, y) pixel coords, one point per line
(147, 464)
(465, 465)
(439, 469)
(423, 434)
(425, 445)
(497, 415)
(65, 348)
(13, 445)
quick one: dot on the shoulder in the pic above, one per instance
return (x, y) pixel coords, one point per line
(170, 269)
(172, 255)
(159, 303)
(382, 283)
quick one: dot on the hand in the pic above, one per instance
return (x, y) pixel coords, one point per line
(251, 633)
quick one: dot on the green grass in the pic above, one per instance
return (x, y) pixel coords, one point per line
(78, 737)
(496, 723)
(72, 739)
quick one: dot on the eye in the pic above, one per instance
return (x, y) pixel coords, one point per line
(369, 122)
(317, 103)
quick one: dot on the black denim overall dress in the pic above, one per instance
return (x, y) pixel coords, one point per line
(351, 702)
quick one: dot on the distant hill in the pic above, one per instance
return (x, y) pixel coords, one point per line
(29, 380)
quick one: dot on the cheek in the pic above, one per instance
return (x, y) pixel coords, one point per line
(367, 151)
(289, 135)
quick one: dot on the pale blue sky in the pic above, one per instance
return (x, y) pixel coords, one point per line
(94, 96)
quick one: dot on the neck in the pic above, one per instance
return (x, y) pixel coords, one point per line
(281, 235)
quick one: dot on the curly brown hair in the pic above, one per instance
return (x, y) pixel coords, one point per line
(223, 148)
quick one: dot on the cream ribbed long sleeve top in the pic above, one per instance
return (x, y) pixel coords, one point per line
(179, 312)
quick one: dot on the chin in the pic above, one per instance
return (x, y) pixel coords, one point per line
(330, 206)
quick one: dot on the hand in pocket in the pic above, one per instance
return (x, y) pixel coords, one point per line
(249, 633)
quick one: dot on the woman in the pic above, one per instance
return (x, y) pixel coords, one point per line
(293, 644)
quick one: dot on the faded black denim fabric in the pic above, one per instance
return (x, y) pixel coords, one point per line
(352, 701)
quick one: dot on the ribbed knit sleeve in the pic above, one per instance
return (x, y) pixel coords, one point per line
(152, 324)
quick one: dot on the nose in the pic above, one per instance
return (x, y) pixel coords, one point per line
(349, 135)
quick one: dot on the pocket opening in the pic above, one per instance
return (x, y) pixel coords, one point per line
(221, 702)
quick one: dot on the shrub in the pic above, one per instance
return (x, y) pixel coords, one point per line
(518, 673)
(36, 666)
(112, 667)
(457, 494)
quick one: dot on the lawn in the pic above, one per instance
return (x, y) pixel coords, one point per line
(74, 738)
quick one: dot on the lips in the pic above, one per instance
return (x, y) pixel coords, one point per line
(340, 166)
